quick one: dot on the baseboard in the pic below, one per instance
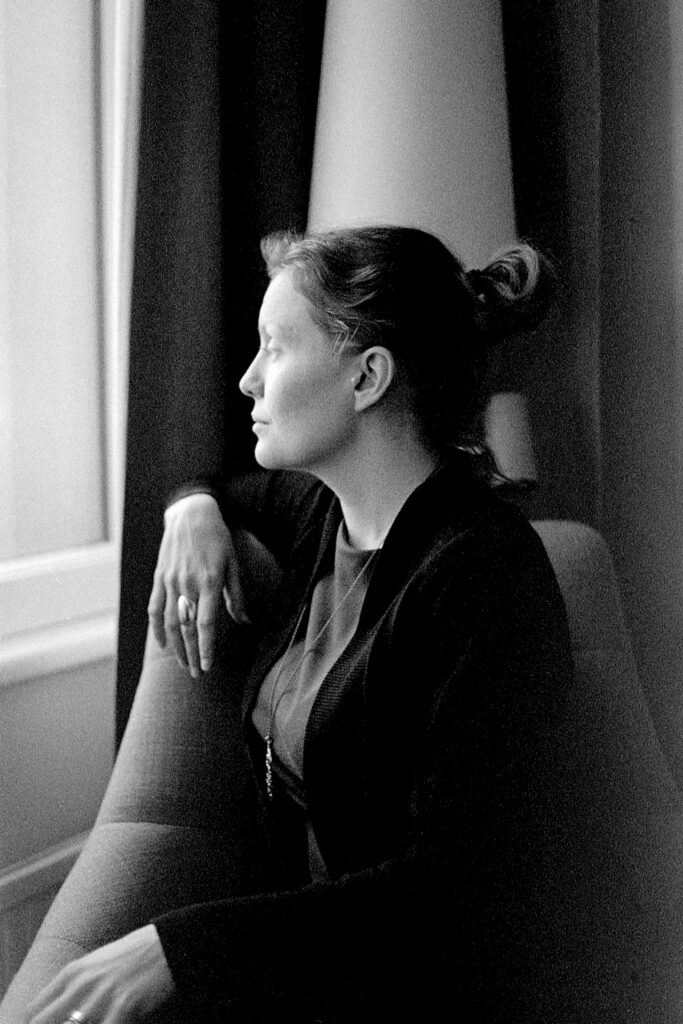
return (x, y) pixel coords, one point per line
(26, 892)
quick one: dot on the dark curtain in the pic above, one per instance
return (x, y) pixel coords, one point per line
(552, 64)
(226, 138)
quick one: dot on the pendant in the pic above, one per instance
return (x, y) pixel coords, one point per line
(269, 766)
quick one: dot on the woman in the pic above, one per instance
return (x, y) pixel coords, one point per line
(404, 706)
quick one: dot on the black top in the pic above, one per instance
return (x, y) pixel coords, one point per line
(431, 772)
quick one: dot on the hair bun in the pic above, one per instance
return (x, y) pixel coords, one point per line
(478, 283)
(513, 293)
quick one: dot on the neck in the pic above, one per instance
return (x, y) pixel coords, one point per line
(374, 479)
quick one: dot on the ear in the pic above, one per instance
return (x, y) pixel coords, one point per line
(375, 370)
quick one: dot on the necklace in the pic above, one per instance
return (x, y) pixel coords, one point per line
(274, 704)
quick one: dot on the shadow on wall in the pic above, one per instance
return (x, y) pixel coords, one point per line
(553, 88)
(641, 396)
(595, 99)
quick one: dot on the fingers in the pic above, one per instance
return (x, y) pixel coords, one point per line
(124, 981)
(187, 618)
(155, 609)
(233, 593)
(189, 626)
(58, 1000)
(173, 627)
(207, 615)
(196, 560)
(198, 623)
(162, 611)
(187, 611)
(191, 629)
(234, 598)
(198, 629)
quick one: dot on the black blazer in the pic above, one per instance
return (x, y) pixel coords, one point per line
(431, 770)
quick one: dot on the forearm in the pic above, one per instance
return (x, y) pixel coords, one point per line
(311, 950)
(219, 544)
(270, 505)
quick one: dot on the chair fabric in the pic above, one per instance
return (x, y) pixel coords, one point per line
(170, 831)
(633, 818)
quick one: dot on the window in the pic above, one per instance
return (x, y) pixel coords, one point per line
(68, 84)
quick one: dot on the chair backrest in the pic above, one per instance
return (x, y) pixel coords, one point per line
(631, 807)
(608, 688)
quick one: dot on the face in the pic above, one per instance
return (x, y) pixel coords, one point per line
(302, 390)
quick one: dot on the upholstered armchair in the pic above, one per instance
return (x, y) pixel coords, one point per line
(167, 831)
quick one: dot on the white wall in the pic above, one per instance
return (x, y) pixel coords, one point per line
(56, 750)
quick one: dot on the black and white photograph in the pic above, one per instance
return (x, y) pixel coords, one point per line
(341, 511)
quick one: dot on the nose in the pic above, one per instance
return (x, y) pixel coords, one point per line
(251, 384)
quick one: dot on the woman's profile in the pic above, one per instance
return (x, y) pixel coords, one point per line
(410, 673)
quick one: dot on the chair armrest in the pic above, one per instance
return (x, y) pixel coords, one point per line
(178, 823)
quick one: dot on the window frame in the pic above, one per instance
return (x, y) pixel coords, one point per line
(60, 608)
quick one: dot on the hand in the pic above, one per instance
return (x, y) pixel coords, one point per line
(120, 983)
(197, 558)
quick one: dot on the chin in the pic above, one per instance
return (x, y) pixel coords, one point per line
(268, 460)
(279, 460)
(262, 460)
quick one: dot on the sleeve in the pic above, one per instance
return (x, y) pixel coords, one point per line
(462, 921)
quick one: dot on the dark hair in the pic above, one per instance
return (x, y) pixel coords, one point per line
(403, 288)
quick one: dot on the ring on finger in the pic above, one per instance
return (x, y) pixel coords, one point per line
(187, 610)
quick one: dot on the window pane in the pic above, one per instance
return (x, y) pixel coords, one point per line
(51, 388)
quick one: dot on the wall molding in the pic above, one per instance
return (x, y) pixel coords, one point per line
(41, 873)
(27, 890)
(58, 649)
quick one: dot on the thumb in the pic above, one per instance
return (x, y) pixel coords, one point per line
(234, 595)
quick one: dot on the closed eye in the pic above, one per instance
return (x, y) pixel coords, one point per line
(267, 343)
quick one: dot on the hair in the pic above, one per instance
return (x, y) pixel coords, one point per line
(402, 288)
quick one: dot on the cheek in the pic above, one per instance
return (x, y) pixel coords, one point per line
(308, 394)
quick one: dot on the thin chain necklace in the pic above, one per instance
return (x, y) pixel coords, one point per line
(274, 704)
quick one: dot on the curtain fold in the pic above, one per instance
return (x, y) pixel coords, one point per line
(595, 97)
(226, 139)
(552, 65)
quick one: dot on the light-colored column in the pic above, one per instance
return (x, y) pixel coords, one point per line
(412, 121)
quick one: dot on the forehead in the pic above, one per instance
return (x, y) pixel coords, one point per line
(283, 307)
